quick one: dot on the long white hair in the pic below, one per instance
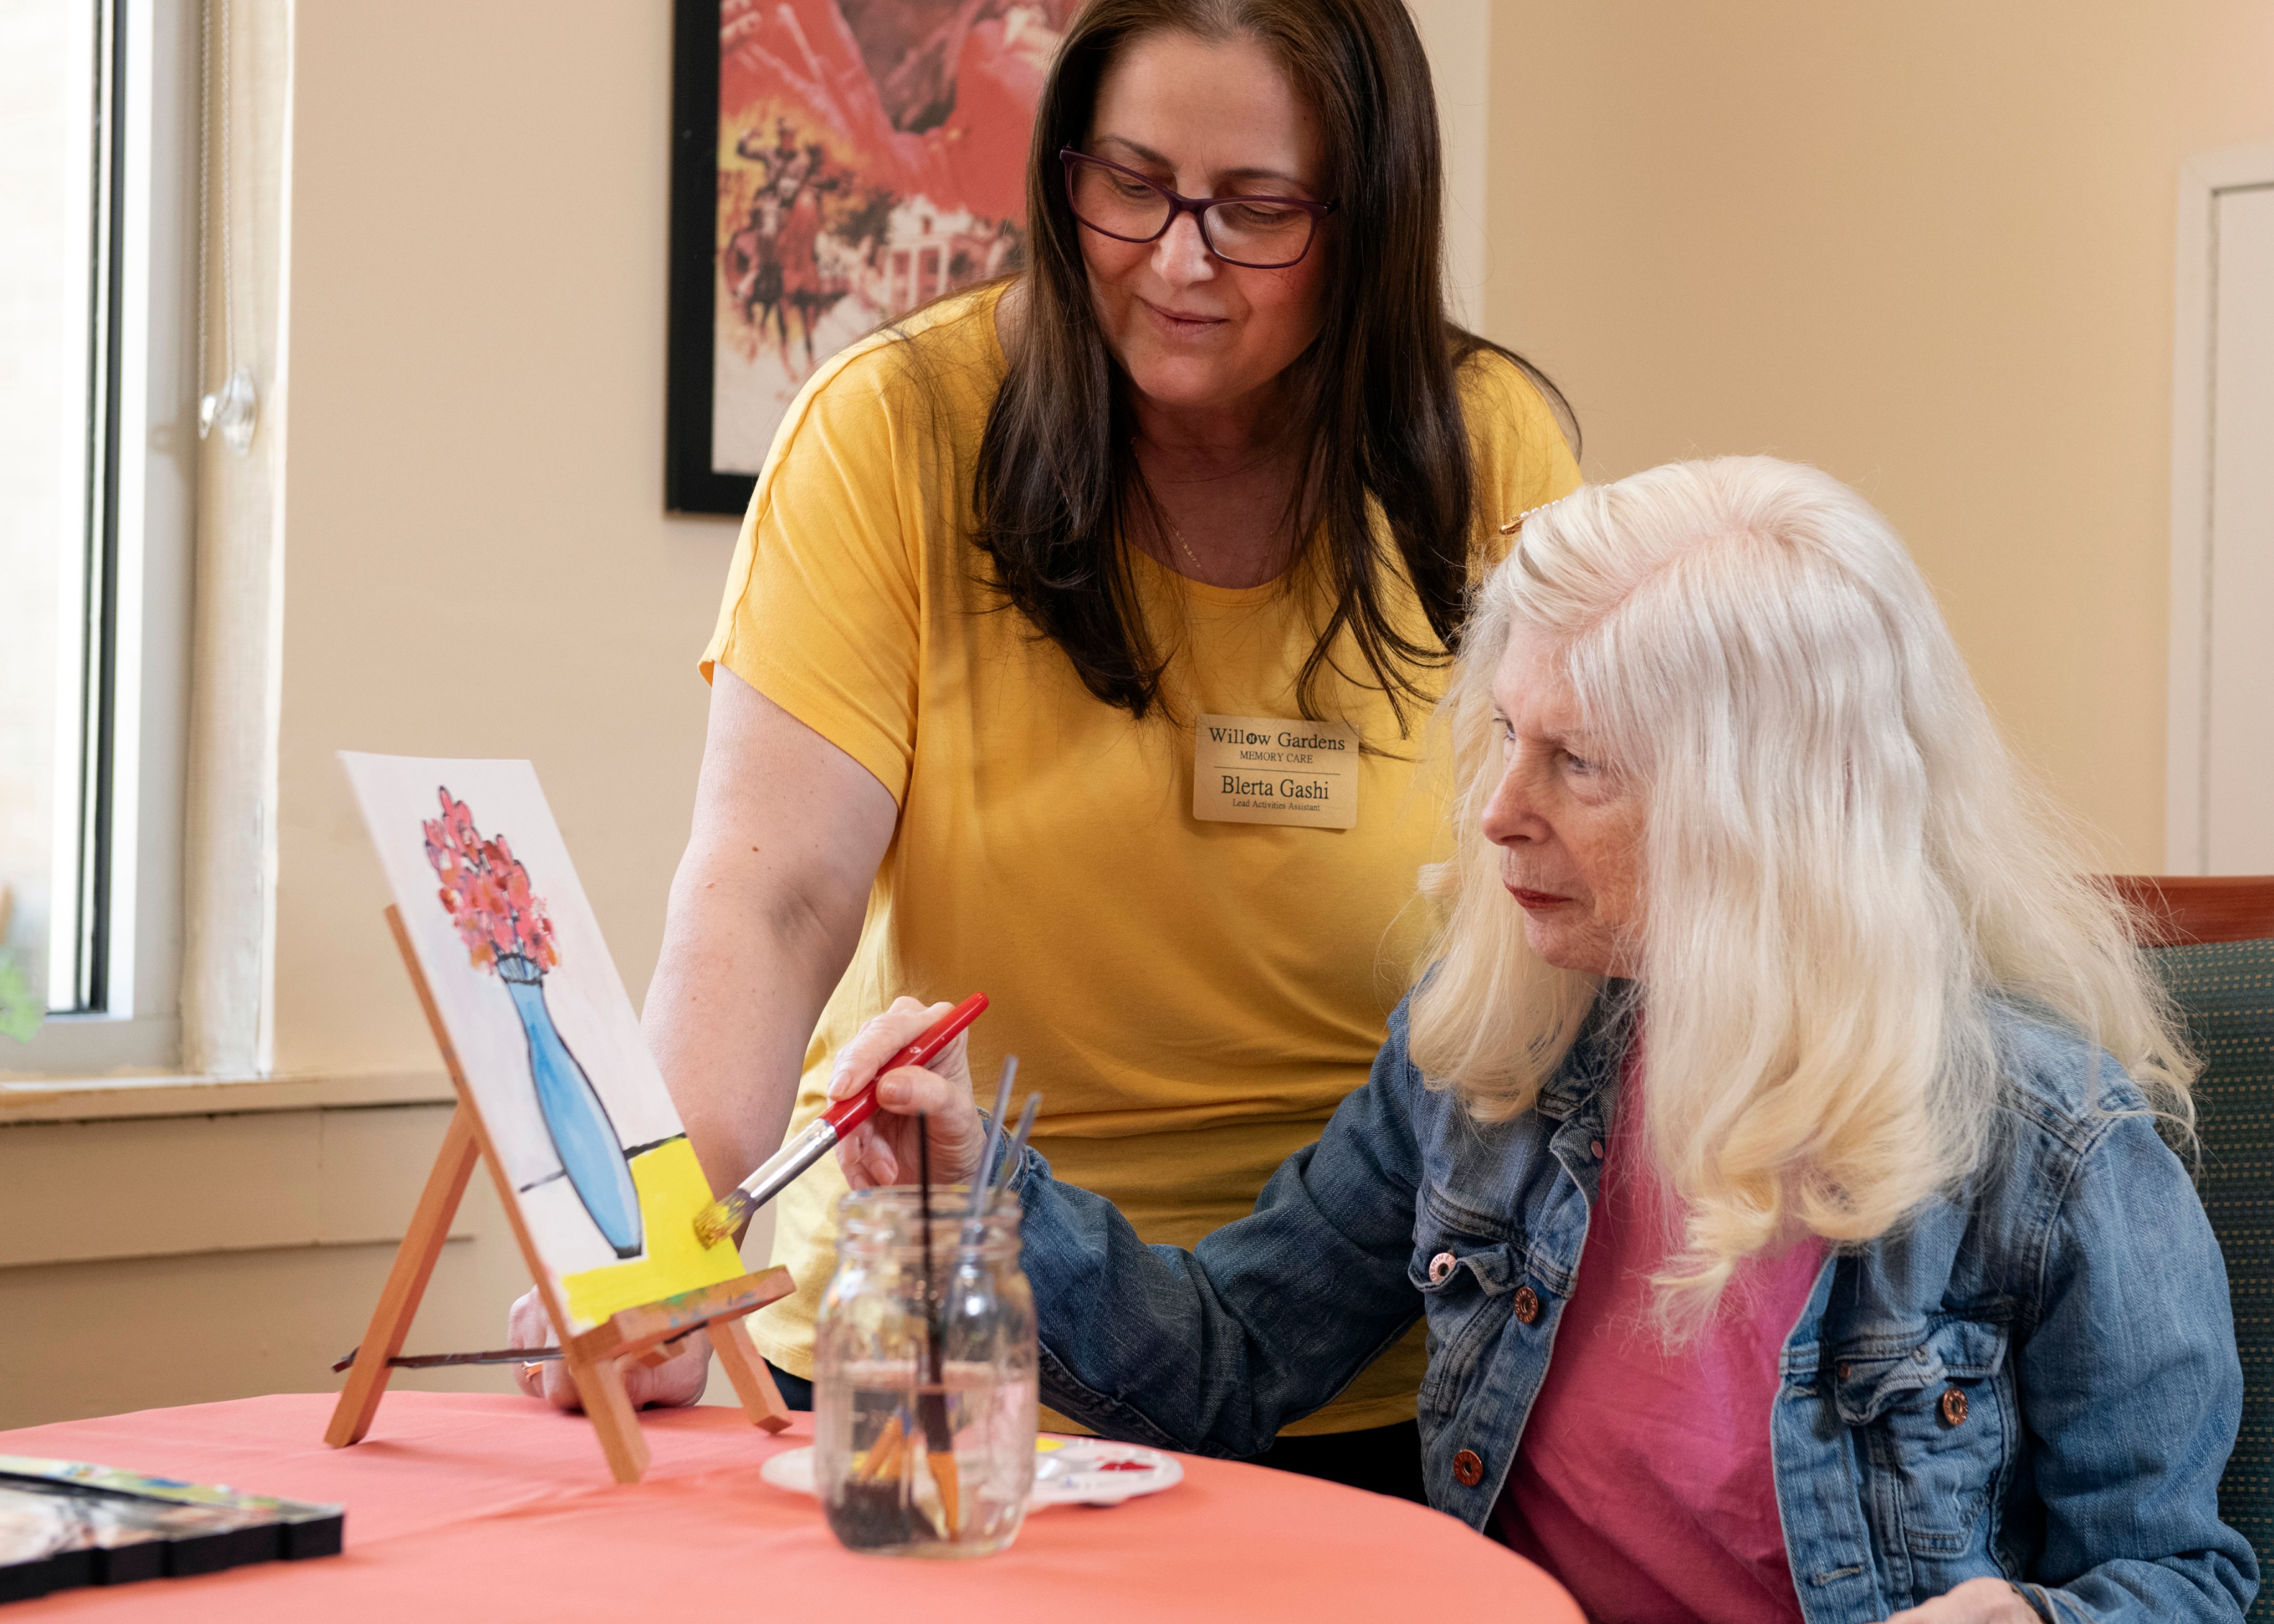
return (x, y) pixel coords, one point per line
(1841, 860)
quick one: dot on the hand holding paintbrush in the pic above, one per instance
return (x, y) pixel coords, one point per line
(883, 1150)
(850, 1106)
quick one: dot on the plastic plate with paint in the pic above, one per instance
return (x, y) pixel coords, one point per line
(1068, 1471)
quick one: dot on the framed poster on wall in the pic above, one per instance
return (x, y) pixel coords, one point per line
(836, 163)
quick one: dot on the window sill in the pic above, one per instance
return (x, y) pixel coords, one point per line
(69, 1047)
(27, 1098)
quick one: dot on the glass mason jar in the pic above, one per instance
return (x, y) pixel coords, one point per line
(925, 1399)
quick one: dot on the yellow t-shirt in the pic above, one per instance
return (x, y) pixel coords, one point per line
(1192, 998)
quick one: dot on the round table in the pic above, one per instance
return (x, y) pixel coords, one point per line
(481, 1507)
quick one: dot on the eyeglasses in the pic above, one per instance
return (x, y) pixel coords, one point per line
(1263, 234)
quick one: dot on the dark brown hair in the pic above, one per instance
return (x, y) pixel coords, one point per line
(1377, 414)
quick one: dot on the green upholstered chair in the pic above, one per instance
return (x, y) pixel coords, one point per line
(2212, 941)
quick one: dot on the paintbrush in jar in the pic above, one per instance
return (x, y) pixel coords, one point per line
(1018, 1149)
(931, 1397)
(979, 1190)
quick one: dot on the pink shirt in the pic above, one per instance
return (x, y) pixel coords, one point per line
(1644, 1481)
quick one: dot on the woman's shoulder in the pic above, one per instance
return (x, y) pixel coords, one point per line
(2056, 1077)
(2074, 1142)
(1498, 385)
(931, 376)
(1517, 435)
(2084, 1175)
(945, 359)
(2071, 1118)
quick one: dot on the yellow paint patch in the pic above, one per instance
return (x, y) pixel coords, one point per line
(672, 1190)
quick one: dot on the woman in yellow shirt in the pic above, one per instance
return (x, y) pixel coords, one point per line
(1077, 645)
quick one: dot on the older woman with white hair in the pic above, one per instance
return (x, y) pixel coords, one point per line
(1776, 1147)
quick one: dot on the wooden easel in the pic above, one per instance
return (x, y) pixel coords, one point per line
(595, 1360)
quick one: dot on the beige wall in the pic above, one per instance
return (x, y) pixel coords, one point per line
(478, 561)
(1928, 247)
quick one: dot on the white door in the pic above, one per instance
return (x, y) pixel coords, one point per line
(2221, 791)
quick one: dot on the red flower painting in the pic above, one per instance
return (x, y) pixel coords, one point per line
(486, 891)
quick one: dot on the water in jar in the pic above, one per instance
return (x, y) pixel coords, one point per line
(907, 1465)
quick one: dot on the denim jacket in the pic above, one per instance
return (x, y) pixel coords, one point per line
(2073, 1294)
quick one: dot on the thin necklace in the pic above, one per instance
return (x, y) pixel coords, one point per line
(1161, 514)
(1180, 535)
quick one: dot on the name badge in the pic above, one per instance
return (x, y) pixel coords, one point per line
(1268, 770)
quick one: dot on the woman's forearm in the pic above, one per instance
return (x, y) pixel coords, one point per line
(766, 911)
(1267, 1318)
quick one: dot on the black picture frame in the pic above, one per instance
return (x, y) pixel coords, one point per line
(690, 484)
(905, 226)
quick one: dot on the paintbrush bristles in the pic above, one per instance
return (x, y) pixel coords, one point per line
(715, 1222)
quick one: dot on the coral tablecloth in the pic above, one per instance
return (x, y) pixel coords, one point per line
(488, 1507)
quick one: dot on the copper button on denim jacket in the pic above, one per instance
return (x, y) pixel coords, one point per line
(2034, 1380)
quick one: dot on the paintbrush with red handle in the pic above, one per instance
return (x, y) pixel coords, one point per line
(733, 1209)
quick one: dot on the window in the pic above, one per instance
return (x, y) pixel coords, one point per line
(98, 437)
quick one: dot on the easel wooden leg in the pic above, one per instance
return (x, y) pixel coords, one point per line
(600, 1384)
(594, 1358)
(406, 1283)
(754, 1384)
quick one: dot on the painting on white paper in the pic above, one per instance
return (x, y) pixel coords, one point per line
(544, 1034)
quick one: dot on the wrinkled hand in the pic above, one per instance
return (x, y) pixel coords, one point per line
(1977, 1601)
(883, 1149)
(679, 1379)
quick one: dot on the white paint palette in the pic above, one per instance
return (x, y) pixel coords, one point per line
(1068, 1471)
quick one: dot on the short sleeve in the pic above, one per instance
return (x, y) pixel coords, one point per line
(823, 608)
(1521, 457)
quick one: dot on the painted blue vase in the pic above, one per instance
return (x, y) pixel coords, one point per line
(591, 1154)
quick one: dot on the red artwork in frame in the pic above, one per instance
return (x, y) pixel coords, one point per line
(839, 163)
